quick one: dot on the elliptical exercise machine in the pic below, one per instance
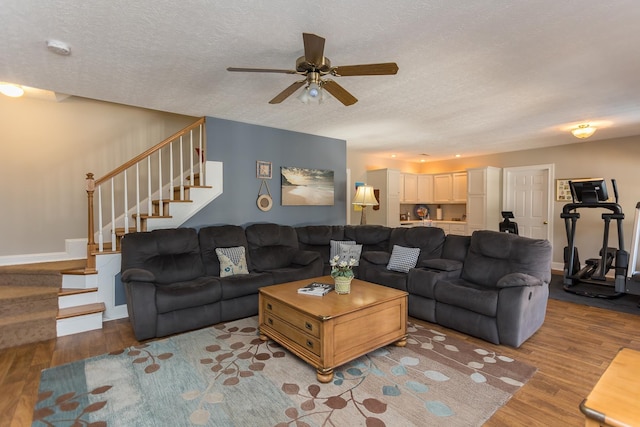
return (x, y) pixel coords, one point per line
(592, 194)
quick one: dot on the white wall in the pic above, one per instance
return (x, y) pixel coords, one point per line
(46, 150)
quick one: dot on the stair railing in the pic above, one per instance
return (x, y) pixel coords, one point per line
(160, 171)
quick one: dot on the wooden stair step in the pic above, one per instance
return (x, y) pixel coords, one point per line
(63, 292)
(81, 310)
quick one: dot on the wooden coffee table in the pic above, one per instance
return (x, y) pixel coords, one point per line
(328, 331)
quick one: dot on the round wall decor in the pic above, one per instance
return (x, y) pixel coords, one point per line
(264, 202)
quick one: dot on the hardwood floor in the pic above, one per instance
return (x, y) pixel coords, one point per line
(571, 350)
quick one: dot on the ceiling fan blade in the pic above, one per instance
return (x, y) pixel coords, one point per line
(339, 93)
(366, 69)
(287, 92)
(261, 70)
(313, 48)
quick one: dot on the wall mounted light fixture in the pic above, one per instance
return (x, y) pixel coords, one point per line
(11, 90)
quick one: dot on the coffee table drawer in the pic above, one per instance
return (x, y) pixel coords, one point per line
(306, 324)
(303, 340)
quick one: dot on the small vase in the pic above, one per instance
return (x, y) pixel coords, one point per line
(343, 284)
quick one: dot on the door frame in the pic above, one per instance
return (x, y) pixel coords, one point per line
(550, 170)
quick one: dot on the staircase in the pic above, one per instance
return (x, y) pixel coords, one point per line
(161, 188)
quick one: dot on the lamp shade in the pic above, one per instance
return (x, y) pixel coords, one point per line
(364, 196)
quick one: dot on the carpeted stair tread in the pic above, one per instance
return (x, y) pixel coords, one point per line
(27, 328)
(37, 274)
(16, 300)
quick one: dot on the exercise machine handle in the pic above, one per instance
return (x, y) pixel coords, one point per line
(615, 188)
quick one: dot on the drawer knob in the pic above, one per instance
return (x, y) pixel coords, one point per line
(269, 307)
(270, 321)
(308, 326)
(309, 343)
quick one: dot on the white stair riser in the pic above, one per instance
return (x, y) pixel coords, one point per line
(79, 281)
(75, 325)
(67, 301)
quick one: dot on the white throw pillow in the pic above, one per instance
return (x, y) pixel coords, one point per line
(232, 261)
(348, 251)
(335, 247)
(403, 259)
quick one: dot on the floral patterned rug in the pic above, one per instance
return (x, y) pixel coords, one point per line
(226, 376)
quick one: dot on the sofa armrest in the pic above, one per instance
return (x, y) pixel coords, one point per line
(141, 306)
(518, 280)
(441, 264)
(305, 257)
(376, 257)
(138, 275)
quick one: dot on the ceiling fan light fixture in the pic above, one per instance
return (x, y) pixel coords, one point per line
(583, 131)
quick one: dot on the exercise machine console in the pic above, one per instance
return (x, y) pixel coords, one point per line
(507, 226)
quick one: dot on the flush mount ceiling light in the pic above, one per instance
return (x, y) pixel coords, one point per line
(58, 47)
(583, 131)
(11, 90)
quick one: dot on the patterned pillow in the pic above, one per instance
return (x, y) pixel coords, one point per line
(232, 261)
(335, 246)
(350, 250)
(403, 259)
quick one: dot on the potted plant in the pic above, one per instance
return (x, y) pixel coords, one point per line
(342, 273)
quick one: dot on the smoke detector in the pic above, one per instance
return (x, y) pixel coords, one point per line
(58, 47)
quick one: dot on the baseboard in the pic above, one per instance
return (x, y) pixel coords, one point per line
(74, 249)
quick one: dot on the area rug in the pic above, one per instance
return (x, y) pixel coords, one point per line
(226, 376)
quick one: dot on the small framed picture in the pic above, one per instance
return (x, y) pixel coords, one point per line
(264, 170)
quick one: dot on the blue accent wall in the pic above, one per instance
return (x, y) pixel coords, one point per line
(239, 145)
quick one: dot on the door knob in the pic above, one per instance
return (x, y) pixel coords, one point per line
(546, 222)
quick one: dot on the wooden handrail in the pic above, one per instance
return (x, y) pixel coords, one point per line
(147, 153)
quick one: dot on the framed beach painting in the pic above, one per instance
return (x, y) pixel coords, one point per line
(306, 187)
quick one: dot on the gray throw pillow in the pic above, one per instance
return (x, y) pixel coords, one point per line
(335, 247)
(403, 259)
(348, 251)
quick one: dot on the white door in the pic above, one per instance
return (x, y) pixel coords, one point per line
(527, 193)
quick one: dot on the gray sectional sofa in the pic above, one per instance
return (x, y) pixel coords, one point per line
(490, 285)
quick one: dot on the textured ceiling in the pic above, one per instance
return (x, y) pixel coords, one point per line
(475, 77)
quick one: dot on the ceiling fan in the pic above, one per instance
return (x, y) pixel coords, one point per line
(314, 66)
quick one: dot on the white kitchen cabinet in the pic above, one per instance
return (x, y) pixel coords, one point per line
(387, 181)
(459, 187)
(442, 188)
(450, 187)
(484, 199)
(425, 188)
(408, 188)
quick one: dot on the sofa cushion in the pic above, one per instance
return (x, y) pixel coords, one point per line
(244, 284)
(182, 295)
(232, 261)
(430, 240)
(493, 255)
(171, 255)
(220, 236)
(272, 257)
(469, 296)
(371, 237)
(403, 259)
(441, 264)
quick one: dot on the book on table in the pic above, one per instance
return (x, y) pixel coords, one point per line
(316, 288)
